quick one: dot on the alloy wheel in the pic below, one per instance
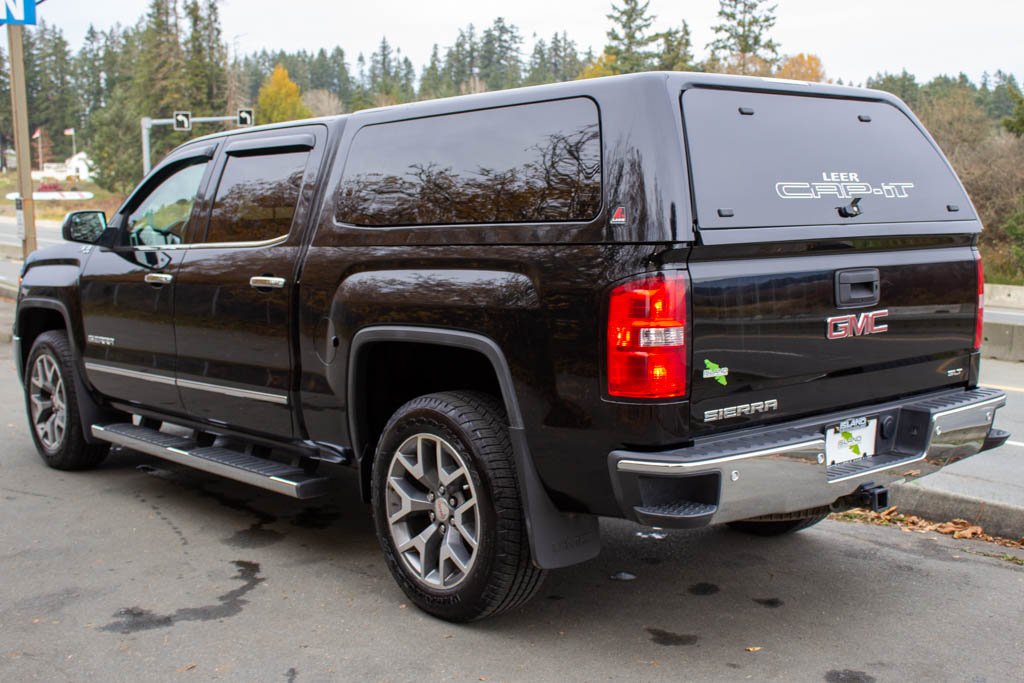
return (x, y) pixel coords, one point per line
(48, 402)
(432, 511)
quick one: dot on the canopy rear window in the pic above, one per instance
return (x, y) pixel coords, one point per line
(767, 160)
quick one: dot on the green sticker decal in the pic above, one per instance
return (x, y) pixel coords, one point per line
(715, 371)
(854, 448)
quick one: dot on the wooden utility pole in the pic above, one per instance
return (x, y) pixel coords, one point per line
(22, 141)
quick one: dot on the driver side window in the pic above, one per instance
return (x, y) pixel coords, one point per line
(161, 218)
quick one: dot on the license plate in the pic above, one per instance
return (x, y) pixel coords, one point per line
(850, 440)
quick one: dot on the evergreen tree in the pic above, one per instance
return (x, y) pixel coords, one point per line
(341, 81)
(676, 52)
(433, 83)
(205, 60)
(499, 58)
(538, 68)
(53, 105)
(460, 62)
(321, 75)
(1015, 121)
(903, 85)
(159, 86)
(743, 44)
(630, 39)
(279, 99)
(115, 145)
(998, 99)
(563, 58)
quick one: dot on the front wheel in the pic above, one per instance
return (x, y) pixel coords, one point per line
(447, 508)
(52, 406)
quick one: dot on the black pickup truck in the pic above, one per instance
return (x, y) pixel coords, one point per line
(681, 299)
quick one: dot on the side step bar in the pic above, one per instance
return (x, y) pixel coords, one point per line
(266, 474)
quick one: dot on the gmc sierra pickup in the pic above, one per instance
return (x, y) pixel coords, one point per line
(681, 299)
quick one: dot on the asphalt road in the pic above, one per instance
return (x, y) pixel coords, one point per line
(9, 271)
(144, 571)
(47, 233)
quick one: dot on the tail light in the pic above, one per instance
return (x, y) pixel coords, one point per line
(980, 320)
(646, 337)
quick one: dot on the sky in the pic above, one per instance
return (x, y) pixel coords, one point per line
(855, 38)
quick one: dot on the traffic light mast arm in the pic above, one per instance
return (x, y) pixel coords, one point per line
(147, 124)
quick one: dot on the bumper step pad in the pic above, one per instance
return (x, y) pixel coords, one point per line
(678, 515)
(261, 472)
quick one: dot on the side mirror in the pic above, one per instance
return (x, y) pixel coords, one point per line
(84, 226)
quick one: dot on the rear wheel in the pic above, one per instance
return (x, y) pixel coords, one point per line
(775, 528)
(52, 406)
(447, 508)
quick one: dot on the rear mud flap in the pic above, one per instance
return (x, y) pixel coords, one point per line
(557, 539)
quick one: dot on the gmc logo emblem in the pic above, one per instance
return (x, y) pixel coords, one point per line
(853, 325)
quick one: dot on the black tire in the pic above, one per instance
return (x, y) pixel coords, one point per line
(69, 451)
(775, 528)
(501, 575)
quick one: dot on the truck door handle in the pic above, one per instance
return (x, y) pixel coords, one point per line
(857, 287)
(267, 282)
(159, 278)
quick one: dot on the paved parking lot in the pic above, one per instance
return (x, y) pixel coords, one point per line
(144, 571)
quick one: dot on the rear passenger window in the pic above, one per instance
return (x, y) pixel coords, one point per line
(256, 197)
(527, 163)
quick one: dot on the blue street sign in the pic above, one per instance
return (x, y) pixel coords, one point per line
(19, 12)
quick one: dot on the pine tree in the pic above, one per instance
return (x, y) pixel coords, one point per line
(159, 86)
(279, 99)
(341, 81)
(998, 98)
(460, 62)
(432, 81)
(538, 68)
(563, 58)
(196, 61)
(114, 137)
(904, 85)
(1015, 121)
(676, 50)
(743, 45)
(53, 104)
(629, 39)
(500, 61)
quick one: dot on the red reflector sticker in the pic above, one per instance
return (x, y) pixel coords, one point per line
(620, 215)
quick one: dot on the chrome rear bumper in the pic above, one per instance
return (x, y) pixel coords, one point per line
(781, 469)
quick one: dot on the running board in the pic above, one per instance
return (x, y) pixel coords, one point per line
(248, 469)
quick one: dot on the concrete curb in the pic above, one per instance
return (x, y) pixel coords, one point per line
(998, 519)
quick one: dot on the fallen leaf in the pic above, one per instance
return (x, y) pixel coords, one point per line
(912, 473)
(187, 667)
(957, 528)
(754, 648)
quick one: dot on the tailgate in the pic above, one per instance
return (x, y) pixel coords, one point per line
(880, 303)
